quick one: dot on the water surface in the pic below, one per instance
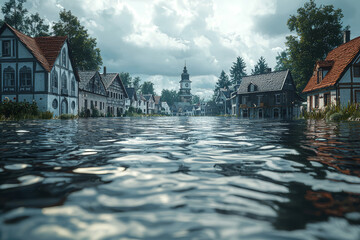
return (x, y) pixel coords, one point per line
(179, 178)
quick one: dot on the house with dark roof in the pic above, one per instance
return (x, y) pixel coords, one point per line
(142, 104)
(116, 93)
(223, 101)
(38, 69)
(336, 80)
(92, 93)
(132, 99)
(268, 95)
(150, 103)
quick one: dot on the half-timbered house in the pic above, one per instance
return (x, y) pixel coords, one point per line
(116, 93)
(336, 80)
(38, 69)
(92, 93)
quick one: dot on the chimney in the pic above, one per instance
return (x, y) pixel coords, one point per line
(346, 36)
(268, 70)
(104, 70)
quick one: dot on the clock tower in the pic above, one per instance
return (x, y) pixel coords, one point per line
(185, 87)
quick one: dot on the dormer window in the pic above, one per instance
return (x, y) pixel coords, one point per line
(319, 76)
(252, 88)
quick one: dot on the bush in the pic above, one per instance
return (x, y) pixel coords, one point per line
(336, 117)
(46, 115)
(67, 116)
(335, 113)
(95, 112)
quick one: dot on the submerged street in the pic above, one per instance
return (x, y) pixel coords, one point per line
(179, 178)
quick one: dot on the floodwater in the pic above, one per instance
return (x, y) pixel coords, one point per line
(179, 178)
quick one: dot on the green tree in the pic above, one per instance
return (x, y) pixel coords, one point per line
(36, 26)
(148, 88)
(136, 83)
(126, 78)
(260, 67)
(282, 61)
(169, 96)
(15, 14)
(18, 17)
(238, 71)
(195, 99)
(223, 82)
(318, 31)
(85, 53)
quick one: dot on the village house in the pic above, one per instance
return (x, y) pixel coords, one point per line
(269, 95)
(38, 69)
(157, 104)
(92, 93)
(165, 109)
(116, 93)
(142, 104)
(336, 80)
(150, 103)
(223, 101)
(132, 99)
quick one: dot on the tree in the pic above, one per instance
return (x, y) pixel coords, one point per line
(223, 82)
(195, 99)
(136, 83)
(18, 17)
(126, 78)
(260, 67)
(169, 96)
(85, 53)
(282, 61)
(36, 26)
(238, 71)
(15, 14)
(148, 88)
(319, 30)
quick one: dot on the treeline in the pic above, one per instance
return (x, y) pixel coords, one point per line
(317, 30)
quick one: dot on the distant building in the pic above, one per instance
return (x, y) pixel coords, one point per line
(223, 101)
(165, 109)
(38, 69)
(269, 95)
(132, 100)
(337, 79)
(142, 104)
(92, 93)
(185, 87)
(150, 103)
(116, 93)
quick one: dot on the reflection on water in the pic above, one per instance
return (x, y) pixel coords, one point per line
(179, 178)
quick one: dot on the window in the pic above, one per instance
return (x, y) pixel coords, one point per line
(25, 76)
(73, 105)
(245, 113)
(319, 75)
(357, 96)
(9, 77)
(252, 88)
(86, 104)
(6, 48)
(316, 101)
(100, 105)
(357, 70)
(260, 113)
(327, 99)
(54, 80)
(63, 81)
(260, 100)
(55, 104)
(277, 98)
(96, 104)
(73, 86)
(276, 113)
(63, 57)
(92, 104)
(244, 100)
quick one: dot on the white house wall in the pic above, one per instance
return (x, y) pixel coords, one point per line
(23, 52)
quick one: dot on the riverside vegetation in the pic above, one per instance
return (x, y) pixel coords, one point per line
(351, 112)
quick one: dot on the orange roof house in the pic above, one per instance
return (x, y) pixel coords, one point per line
(38, 69)
(337, 78)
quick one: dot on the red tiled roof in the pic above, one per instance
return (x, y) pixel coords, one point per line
(44, 49)
(340, 57)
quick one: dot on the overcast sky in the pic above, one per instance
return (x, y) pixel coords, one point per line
(153, 39)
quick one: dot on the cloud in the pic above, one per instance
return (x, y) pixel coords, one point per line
(153, 39)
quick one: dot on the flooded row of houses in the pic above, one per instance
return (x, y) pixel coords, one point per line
(41, 69)
(336, 80)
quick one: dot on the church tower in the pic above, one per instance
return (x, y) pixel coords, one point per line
(185, 87)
